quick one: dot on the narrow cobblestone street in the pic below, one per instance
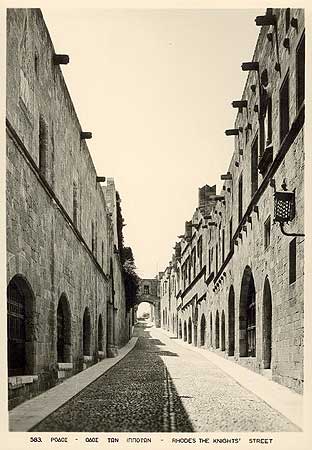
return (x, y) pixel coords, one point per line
(161, 386)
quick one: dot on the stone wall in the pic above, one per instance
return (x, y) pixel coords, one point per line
(60, 235)
(247, 258)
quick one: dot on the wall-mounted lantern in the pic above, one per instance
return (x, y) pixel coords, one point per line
(285, 208)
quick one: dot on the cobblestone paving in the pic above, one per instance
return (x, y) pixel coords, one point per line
(161, 386)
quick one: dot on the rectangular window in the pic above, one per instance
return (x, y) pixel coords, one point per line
(146, 289)
(292, 261)
(300, 72)
(223, 244)
(240, 198)
(254, 167)
(267, 232)
(284, 108)
(268, 123)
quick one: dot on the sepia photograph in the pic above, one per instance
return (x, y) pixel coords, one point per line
(155, 230)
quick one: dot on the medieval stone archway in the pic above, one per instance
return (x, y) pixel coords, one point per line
(189, 331)
(203, 330)
(185, 331)
(267, 325)
(217, 331)
(180, 329)
(21, 327)
(86, 332)
(100, 334)
(63, 339)
(231, 322)
(247, 315)
(222, 331)
(149, 292)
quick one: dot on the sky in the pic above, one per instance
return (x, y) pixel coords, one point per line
(155, 89)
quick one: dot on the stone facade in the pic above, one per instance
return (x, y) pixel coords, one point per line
(149, 292)
(241, 291)
(66, 302)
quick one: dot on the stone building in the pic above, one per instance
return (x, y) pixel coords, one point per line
(66, 302)
(241, 290)
(149, 292)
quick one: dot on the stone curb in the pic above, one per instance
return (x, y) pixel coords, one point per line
(30, 413)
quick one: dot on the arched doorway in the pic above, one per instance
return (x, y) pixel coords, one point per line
(20, 326)
(247, 315)
(222, 331)
(202, 330)
(231, 322)
(185, 332)
(86, 341)
(189, 331)
(267, 325)
(180, 329)
(217, 340)
(63, 340)
(100, 333)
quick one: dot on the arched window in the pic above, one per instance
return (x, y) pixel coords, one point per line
(86, 333)
(63, 343)
(217, 330)
(100, 333)
(203, 330)
(20, 322)
(247, 315)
